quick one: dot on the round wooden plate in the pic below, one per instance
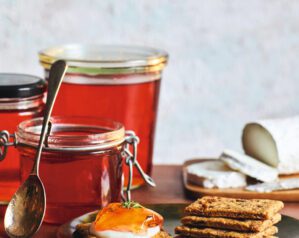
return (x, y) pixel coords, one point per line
(195, 191)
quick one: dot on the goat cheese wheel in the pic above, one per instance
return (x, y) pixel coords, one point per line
(274, 142)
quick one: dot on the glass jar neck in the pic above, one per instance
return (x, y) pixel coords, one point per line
(113, 79)
(73, 133)
(7, 104)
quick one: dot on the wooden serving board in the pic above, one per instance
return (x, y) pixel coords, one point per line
(195, 191)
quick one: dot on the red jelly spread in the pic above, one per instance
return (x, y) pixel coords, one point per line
(82, 167)
(21, 98)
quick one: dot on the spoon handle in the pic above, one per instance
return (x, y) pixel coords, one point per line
(56, 75)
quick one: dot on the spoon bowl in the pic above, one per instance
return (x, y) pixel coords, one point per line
(26, 209)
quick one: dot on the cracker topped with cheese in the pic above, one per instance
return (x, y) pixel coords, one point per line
(129, 219)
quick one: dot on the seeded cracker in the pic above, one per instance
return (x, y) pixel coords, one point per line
(230, 224)
(262, 209)
(217, 233)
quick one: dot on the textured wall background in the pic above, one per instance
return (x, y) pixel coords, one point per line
(231, 61)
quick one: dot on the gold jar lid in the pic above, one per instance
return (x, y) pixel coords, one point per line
(105, 59)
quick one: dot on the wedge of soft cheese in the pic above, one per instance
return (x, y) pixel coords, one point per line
(274, 142)
(282, 184)
(249, 166)
(215, 174)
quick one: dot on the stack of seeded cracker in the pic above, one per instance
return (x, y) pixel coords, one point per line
(230, 218)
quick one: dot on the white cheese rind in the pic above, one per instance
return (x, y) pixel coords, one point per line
(215, 174)
(283, 184)
(274, 142)
(249, 166)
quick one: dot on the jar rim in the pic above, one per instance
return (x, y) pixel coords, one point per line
(73, 133)
(105, 59)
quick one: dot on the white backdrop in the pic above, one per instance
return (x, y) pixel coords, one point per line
(231, 61)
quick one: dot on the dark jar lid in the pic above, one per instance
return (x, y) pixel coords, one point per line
(20, 85)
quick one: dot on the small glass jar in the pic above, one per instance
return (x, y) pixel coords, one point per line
(81, 164)
(21, 98)
(112, 81)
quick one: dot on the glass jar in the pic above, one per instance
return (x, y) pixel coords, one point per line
(21, 98)
(81, 163)
(117, 82)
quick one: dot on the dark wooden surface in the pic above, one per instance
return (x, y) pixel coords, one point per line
(169, 190)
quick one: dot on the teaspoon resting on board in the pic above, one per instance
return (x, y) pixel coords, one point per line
(26, 209)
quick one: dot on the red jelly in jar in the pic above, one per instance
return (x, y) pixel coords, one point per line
(81, 165)
(21, 98)
(117, 82)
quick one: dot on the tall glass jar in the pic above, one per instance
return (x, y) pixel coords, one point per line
(117, 82)
(21, 98)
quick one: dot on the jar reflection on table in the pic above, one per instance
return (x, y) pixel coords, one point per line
(21, 98)
(76, 181)
(117, 82)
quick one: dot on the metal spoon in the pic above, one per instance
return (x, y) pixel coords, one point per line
(26, 209)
